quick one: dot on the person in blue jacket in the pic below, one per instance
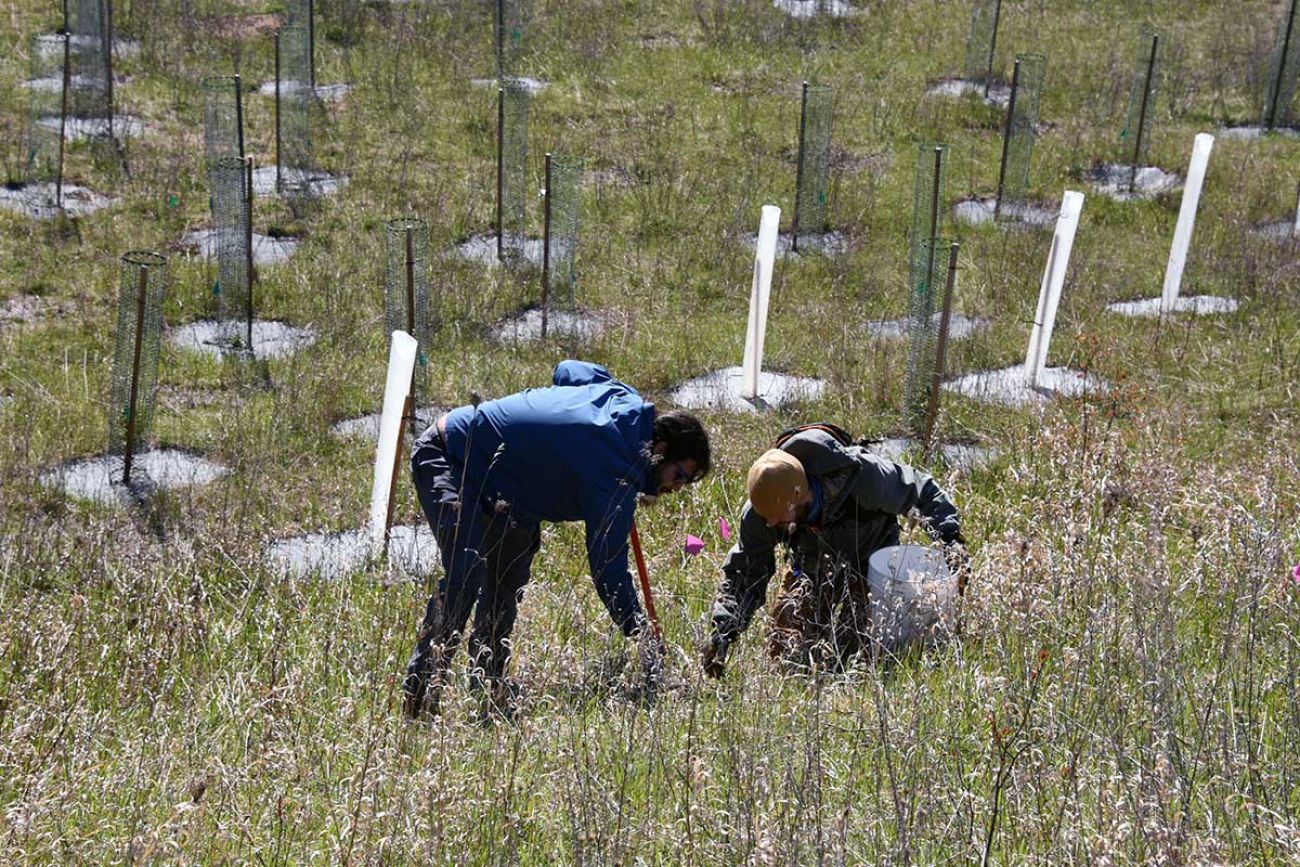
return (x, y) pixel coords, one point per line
(487, 475)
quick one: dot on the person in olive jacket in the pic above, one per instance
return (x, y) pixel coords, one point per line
(832, 505)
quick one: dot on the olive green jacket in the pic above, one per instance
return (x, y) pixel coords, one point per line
(862, 496)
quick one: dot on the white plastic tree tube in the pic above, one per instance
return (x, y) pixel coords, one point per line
(401, 364)
(759, 293)
(1049, 293)
(1295, 230)
(1186, 221)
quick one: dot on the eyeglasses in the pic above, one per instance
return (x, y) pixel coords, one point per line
(678, 478)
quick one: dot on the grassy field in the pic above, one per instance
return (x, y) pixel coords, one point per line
(1126, 691)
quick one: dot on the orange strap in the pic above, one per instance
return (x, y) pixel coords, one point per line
(645, 584)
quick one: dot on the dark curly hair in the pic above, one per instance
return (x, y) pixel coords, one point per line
(684, 439)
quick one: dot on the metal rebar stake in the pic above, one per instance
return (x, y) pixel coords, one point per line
(311, 46)
(110, 39)
(501, 178)
(798, 171)
(248, 245)
(279, 158)
(546, 246)
(934, 214)
(409, 411)
(1006, 141)
(940, 352)
(129, 454)
(993, 46)
(108, 65)
(63, 112)
(410, 281)
(1142, 113)
(1270, 119)
(239, 115)
(501, 40)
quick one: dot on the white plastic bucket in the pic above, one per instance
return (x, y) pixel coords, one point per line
(913, 597)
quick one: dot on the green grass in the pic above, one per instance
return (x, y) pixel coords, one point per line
(1126, 690)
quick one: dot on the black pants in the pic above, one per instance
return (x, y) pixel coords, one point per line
(487, 559)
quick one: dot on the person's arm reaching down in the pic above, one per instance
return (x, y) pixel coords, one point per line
(896, 488)
(747, 571)
(609, 522)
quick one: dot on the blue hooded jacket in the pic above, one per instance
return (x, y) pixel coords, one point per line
(577, 451)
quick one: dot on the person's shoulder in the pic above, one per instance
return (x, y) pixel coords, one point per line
(814, 444)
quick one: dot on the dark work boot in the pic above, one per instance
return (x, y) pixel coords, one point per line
(422, 686)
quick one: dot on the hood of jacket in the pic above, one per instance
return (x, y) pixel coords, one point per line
(834, 466)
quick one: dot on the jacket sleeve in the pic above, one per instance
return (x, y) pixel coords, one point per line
(609, 523)
(896, 489)
(746, 572)
(573, 372)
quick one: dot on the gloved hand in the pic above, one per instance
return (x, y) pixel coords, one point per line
(713, 656)
(958, 559)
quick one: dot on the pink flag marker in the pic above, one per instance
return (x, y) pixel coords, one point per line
(694, 545)
(1295, 574)
(724, 529)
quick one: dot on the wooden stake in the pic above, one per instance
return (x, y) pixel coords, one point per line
(408, 411)
(934, 216)
(941, 351)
